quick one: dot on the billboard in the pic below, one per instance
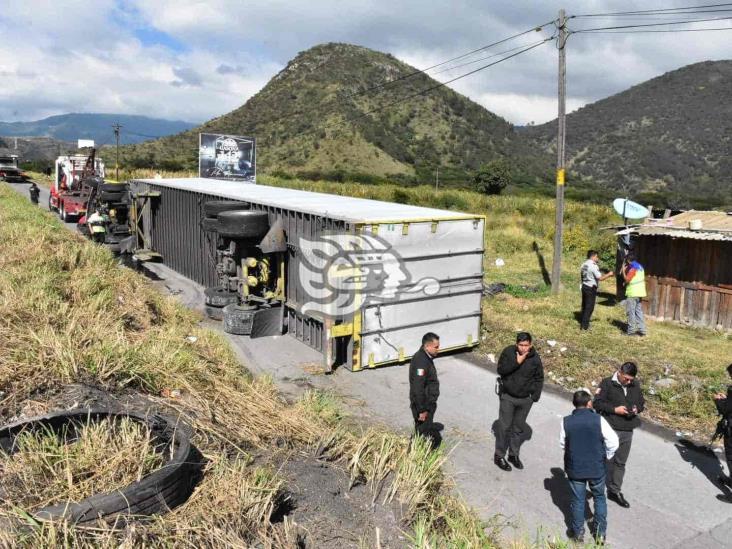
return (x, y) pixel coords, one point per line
(227, 157)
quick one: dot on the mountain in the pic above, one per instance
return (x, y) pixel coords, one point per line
(70, 127)
(668, 139)
(315, 117)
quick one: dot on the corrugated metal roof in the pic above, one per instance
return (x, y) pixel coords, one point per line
(356, 210)
(714, 226)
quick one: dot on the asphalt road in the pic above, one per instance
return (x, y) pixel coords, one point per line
(672, 488)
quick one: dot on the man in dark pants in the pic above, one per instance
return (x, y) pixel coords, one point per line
(590, 276)
(34, 191)
(587, 440)
(424, 388)
(724, 407)
(620, 399)
(522, 379)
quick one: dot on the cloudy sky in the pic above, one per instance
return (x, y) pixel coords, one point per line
(196, 59)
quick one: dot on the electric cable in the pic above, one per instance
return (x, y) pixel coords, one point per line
(618, 27)
(680, 10)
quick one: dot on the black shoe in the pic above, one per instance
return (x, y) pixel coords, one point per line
(502, 463)
(516, 462)
(600, 540)
(577, 538)
(618, 498)
(725, 480)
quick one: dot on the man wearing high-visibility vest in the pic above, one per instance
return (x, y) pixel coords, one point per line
(635, 290)
(97, 226)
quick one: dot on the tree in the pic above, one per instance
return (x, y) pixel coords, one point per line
(493, 177)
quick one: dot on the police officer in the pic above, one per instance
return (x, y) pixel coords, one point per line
(522, 379)
(424, 388)
(620, 399)
(724, 407)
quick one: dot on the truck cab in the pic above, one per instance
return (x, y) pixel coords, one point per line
(67, 194)
(10, 169)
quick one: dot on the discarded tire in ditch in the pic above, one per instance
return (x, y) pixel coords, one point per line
(243, 224)
(218, 296)
(215, 207)
(156, 493)
(238, 319)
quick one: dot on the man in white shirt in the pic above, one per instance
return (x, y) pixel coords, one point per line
(590, 275)
(587, 440)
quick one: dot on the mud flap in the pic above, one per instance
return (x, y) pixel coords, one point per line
(267, 322)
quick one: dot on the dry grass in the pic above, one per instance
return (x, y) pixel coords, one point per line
(68, 313)
(49, 468)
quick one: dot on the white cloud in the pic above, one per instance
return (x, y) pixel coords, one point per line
(87, 55)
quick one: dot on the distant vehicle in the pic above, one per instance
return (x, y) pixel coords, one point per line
(10, 170)
(68, 196)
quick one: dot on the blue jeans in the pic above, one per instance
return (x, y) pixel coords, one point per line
(636, 321)
(577, 506)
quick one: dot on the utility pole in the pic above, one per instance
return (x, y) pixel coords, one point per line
(437, 178)
(561, 130)
(117, 127)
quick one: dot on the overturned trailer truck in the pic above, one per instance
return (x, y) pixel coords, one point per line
(358, 280)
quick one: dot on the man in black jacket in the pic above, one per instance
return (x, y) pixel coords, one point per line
(522, 379)
(724, 407)
(620, 399)
(424, 388)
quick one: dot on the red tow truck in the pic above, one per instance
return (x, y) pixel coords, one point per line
(68, 196)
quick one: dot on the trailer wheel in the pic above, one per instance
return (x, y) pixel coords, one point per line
(243, 224)
(217, 296)
(215, 207)
(156, 493)
(214, 313)
(238, 319)
(210, 224)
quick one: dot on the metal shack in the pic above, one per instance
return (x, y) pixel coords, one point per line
(400, 270)
(688, 264)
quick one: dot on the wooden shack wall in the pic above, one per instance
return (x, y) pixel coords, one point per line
(688, 280)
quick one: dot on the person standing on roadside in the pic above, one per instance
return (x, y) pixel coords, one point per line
(521, 381)
(34, 192)
(587, 440)
(424, 388)
(635, 291)
(724, 428)
(590, 277)
(619, 399)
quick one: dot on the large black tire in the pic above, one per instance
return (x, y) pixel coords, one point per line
(214, 313)
(158, 492)
(109, 196)
(238, 319)
(210, 224)
(215, 207)
(243, 224)
(112, 187)
(217, 296)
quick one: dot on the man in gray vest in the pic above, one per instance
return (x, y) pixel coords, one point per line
(587, 440)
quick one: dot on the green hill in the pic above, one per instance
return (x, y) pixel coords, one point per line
(667, 140)
(314, 118)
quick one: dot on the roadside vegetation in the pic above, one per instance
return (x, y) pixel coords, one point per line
(69, 314)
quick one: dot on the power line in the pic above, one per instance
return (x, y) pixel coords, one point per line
(654, 24)
(657, 31)
(485, 58)
(441, 84)
(463, 56)
(680, 10)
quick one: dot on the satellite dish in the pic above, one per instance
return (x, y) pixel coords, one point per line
(629, 209)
